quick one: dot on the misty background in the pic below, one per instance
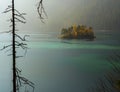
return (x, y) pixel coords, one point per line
(66, 68)
(100, 14)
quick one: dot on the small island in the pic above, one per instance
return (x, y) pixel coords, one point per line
(77, 32)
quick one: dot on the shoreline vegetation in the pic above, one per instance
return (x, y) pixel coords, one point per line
(77, 32)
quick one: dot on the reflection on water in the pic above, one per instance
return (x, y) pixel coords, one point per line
(56, 65)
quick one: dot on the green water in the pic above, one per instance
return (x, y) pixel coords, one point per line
(69, 65)
(56, 65)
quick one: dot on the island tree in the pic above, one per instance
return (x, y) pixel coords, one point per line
(77, 32)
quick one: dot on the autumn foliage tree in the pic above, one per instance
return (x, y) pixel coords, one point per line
(77, 32)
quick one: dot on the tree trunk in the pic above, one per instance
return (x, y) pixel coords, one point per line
(13, 48)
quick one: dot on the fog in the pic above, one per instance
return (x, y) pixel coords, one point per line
(100, 14)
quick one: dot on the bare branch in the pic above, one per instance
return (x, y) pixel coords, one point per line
(41, 10)
(22, 80)
(9, 7)
(17, 11)
(19, 20)
(6, 11)
(8, 50)
(4, 47)
(18, 15)
(5, 32)
(19, 56)
(23, 39)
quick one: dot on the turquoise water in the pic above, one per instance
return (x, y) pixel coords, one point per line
(56, 65)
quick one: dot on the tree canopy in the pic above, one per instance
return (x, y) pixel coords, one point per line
(77, 32)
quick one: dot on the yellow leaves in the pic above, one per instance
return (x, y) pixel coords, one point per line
(85, 31)
(75, 34)
(75, 30)
(82, 30)
(78, 32)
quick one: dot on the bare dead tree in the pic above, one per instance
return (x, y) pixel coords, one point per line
(16, 16)
(18, 79)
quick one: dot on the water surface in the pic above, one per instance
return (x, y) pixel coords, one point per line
(56, 65)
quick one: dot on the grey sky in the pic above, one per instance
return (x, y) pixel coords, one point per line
(100, 14)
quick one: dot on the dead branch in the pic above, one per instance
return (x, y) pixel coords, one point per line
(19, 56)
(9, 7)
(6, 11)
(22, 80)
(41, 10)
(17, 12)
(4, 47)
(23, 39)
(20, 15)
(19, 20)
(6, 32)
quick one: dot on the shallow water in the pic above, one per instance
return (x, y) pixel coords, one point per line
(56, 65)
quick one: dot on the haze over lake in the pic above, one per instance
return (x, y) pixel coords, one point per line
(56, 65)
(101, 15)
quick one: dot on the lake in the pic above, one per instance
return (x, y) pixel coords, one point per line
(57, 65)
